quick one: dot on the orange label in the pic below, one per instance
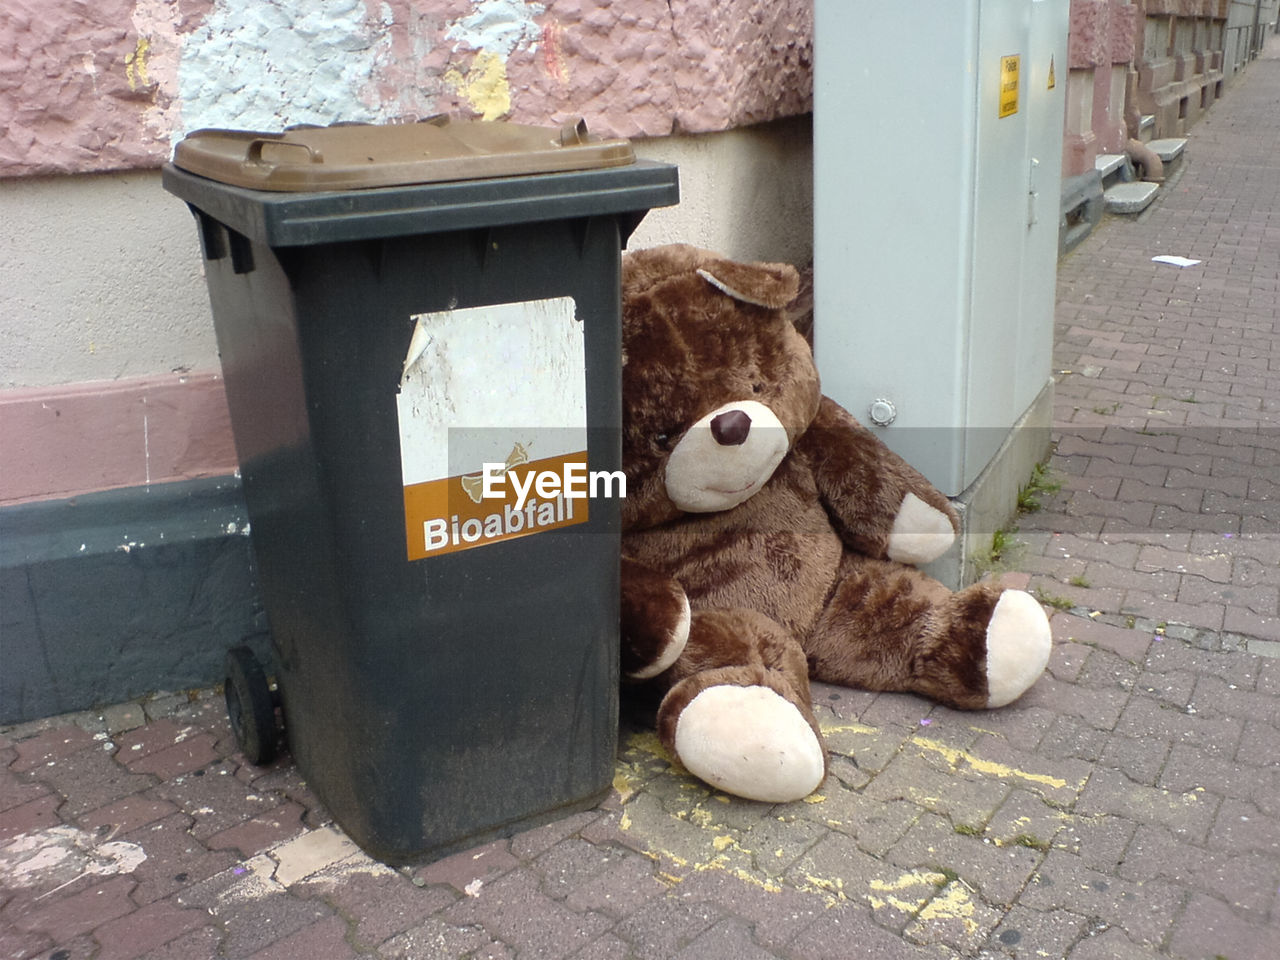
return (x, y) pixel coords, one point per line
(518, 499)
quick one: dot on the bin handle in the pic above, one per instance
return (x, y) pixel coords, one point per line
(573, 133)
(253, 154)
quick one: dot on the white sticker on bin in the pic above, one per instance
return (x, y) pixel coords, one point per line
(503, 385)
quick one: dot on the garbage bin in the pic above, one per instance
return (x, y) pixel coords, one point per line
(397, 306)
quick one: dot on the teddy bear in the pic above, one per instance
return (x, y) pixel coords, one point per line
(769, 538)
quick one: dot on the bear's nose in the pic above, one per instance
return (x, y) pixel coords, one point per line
(731, 428)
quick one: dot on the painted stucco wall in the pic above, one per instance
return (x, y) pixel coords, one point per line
(112, 84)
(108, 364)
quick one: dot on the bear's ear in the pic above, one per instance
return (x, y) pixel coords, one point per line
(770, 285)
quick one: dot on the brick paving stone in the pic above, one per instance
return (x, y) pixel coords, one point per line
(77, 948)
(1140, 760)
(1111, 944)
(30, 816)
(729, 939)
(1172, 688)
(1144, 910)
(849, 932)
(175, 860)
(323, 940)
(607, 947)
(1248, 881)
(484, 863)
(1150, 718)
(1024, 819)
(588, 878)
(1258, 744)
(63, 917)
(125, 816)
(434, 938)
(196, 945)
(1214, 696)
(776, 913)
(533, 843)
(1190, 770)
(1187, 813)
(513, 909)
(1072, 737)
(1243, 671)
(16, 790)
(997, 872)
(23, 944)
(145, 930)
(122, 717)
(253, 910)
(218, 800)
(379, 902)
(257, 833)
(45, 749)
(157, 735)
(1023, 932)
(188, 755)
(91, 779)
(956, 918)
(1210, 928)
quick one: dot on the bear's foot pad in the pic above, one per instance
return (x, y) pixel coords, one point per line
(1018, 646)
(750, 742)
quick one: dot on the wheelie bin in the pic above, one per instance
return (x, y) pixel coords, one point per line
(413, 321)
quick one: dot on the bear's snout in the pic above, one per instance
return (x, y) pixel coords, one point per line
(731, 428)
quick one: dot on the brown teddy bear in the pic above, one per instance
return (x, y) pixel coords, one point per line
(768, 537)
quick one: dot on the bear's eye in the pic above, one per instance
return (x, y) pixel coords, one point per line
(663, 440)
(757, 388)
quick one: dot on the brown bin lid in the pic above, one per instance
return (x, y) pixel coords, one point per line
(357, 156)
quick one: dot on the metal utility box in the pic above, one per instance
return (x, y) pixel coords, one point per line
(448, 662)
(938, 156)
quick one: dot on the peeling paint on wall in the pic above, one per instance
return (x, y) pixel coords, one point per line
(264, 66)
(113, 84)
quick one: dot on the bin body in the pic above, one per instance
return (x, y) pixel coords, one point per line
(434, 702)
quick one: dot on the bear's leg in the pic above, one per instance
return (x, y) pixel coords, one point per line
(738, 712)
(889, 627)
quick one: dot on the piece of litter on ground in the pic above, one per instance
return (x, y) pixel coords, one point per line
(1174, 261)
(472, 889)
(925, 722)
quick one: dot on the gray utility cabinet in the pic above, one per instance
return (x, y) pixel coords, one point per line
(938, 159)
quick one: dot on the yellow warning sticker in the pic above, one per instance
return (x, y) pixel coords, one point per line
(1010, 67)
(1053, 82)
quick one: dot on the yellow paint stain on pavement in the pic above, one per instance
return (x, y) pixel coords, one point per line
(484, 86)
(1003, 771)
(135, 64)
(848, 728)
(952, 904)
(624, 785)
(891, 893)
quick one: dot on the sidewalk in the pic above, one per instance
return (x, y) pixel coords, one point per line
(1128, 807)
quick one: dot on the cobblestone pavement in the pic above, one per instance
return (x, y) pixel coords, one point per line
(1128, 807)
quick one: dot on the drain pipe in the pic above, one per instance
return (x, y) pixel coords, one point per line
(1141, 156)
(1145, 160)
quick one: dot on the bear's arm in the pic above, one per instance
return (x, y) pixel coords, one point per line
(655, 620)
(879, 504)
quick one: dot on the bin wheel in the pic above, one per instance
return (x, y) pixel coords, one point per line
(250, 706)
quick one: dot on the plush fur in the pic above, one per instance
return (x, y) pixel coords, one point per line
(786, 529)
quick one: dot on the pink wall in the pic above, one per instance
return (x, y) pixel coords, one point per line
(109, 85)
(1101, 39)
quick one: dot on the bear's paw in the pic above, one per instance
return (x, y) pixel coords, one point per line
(750, 742)
(1018, 646)
(920, 533)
